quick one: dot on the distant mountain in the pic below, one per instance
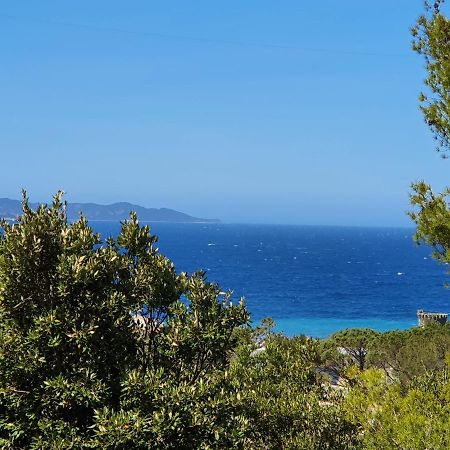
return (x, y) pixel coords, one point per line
(117, 211)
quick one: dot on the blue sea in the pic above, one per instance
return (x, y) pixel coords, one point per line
(311, 280)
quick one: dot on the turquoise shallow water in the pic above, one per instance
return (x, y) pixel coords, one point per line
(324, 327)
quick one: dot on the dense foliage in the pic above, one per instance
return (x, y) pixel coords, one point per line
(400, 400)
(288, 403)
(79, 368)
(347, 348)
(104, 345)
(394, 418)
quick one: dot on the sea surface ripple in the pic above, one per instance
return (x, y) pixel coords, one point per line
(311, 280)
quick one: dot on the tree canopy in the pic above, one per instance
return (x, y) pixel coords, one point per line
(431, 39)
(351, 346)
(431, 213)
(104, 345)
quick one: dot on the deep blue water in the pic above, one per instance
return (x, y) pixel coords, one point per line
(311, 280)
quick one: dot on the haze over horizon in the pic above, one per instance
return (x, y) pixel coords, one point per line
(245, 112)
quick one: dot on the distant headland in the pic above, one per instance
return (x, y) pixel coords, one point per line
(10, 209)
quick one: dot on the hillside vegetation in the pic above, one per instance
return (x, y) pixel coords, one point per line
(104, 345)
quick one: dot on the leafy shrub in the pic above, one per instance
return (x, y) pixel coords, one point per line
(76, 371)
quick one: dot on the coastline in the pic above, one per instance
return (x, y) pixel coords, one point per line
(316, 327)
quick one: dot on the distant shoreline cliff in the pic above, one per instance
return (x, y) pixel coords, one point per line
(9, 209)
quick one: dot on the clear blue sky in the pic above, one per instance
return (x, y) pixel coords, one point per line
(250, 111)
